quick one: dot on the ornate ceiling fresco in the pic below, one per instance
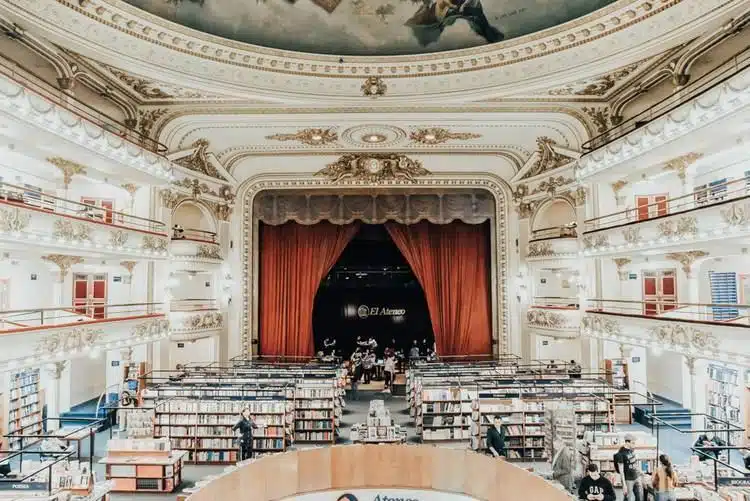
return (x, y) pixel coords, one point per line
(369, 27)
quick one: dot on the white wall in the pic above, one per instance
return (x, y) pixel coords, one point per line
(667, 375)
(738, 264)
(195, 287)
(558, 349)
(199, 350)
(23, 292)
(551, 283)
(189, 215)
(83, 379)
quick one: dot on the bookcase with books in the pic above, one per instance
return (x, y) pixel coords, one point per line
(24, 408)
(723, 397)
(600, 448)
(315, 411)
(203, 428)
(143, 465)
(444, 413)
(523, 421)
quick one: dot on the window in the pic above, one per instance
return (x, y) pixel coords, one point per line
(648, 206)
(723, 291)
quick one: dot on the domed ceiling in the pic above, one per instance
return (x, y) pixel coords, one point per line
(369, 27)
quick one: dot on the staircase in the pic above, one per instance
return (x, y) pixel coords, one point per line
(669, 412)
(74, 418)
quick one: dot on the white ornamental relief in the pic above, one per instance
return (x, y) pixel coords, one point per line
(685, 337)
(210, 320)
(736, 214)
(150, 329)
(546, 319)
(74, 340)
(600, 325)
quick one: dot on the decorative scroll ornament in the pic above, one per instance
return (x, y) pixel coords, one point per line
(129, 265)
(169, 198)
(55, 369)
(374, 168)
(130, 188)
(519, 193)
(685, 226)
(196, 187)
(547, 158)
(63, 262)
(227, 194)
(374, 87)
(685, 337)
(736, 214)
(632, 235)
(526, 209)
(13, 220)
(686, 259)
(72, 341)
(471, 207)
(438, 135)
(209, 251)
(118, 239)
(68, 168)
(210, 320)
(598, 86)
(153, 329)
(681, 164)
(617, 186)
(311, 137)
(579, 196)
(67, 230)
(155, 244)
(545, 319)
(595, 241)
(540, 249)
(198, 160)
(600, 326)
(551, 185)
(621, 263)
(147, 119)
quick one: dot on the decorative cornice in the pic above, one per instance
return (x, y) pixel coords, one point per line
(551, 185)
(150, 329)
(439, 135)
(310, 136)
(70, 341)
(195, 186)
(621, 263)
(597, 86)
(374, 87)
(129, 265)
(68, 168)
(547, 158)
(682, 227)
(154, 244)
(63, 262)
(600, 325)
(373, 168)
(540, 249)
(202, 321)
(198, 160)
(546, 319)
(209, 251)
(678, 336)
(686, 259)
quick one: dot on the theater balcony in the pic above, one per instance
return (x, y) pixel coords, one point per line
(62, 125)
(716, 212)
(676, 125)
(553, 243)
(195, 318)
(712, 331)
(36, 336)
(556, 317)
(30, 217)
(193, 249)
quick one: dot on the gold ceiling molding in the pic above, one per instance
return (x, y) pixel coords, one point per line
(597, 86)
(374, 87)
(311, 136)
(196, 187)
(686, 259)
(68, 168)
(129, 265)
(680, 164)
(169, 198)
(551, 185)
(148, 118)
(63, 262)
(601, 118)
(373, 168)
(198, 160)
(148, 89)
(130, 188)
(547, 158)
(621, 263)
(439, 135)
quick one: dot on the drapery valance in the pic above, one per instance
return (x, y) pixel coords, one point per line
(471, 207)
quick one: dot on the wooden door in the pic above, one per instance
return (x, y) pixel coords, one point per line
(90, 295)
(659, 291)
(107, 208)
(80, 293)
(649, 206)
(98, 296)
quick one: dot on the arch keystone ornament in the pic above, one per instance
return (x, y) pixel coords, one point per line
(374, 87)
(374, 168)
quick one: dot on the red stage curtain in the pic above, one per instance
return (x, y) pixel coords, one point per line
(294, 258)
(450, 262)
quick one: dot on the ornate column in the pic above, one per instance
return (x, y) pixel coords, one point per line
(691, 292)
(690, 364)
(52, 374)
(64, 263)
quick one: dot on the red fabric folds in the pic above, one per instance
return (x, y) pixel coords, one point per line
(450, 262)
(294, 259)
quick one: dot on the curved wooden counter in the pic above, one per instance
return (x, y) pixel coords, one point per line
(417, 467)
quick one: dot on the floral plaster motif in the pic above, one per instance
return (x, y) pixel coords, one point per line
(685, 337)
(540, 249)
(14, 220)
(600, 325)
(77, 339)
(546, 319)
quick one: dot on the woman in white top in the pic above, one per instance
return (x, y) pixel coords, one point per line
(389, 369)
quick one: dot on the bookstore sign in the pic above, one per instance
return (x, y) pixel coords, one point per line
(381, 495)
(10, 485)
(364, 311)
(734, 481)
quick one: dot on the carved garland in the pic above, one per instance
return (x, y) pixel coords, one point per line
(501, 321)
(546, 319)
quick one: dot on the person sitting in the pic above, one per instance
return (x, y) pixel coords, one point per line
(496, 438)
(574, 370)
(177, 232)
(711, 443)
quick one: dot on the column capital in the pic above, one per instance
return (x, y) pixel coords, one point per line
(690, 363)
(56, 369)
(625, 351)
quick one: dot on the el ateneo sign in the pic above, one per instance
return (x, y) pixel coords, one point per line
(364, 311)
(381, 495)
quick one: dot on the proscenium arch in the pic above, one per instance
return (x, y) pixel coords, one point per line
(245, 226)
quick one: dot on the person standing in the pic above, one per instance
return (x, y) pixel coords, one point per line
(356, 372)
(245, 425)
(594, 487)
(414, 352)
(626, 465)
(496, 438)
(562, 465)
(664, 480)
(389, 369)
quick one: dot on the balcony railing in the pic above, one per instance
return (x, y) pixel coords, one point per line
(566, 231)
(703, 197)
(179, 233)
(718, 313)
(692, 90)
(36, 318)
(552, 302)
(29, 198)
(188, 305)
(28, 80)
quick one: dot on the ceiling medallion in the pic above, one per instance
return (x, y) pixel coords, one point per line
(312, 137)
(373, 168)
(438, 135)
(374, 138)
(374, 87)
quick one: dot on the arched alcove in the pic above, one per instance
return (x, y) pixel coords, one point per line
(193, 216)
(555, 218)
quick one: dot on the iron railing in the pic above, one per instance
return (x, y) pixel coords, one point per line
(29, 319)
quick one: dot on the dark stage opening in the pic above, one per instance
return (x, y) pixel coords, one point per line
(371, 291)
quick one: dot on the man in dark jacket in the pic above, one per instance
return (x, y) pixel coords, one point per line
(496, 438)
(594, 487)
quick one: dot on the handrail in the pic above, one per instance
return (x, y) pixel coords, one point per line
(729, 314)
(707, 196)
(180, 233)
(557, 302)
(692, 90)
(26, 79)
(190, 305)
(78, 314)
(36, 199)
(564, 231)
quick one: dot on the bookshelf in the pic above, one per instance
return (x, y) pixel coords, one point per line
(723, 397)
(524, 425)
(379, 427)
(617, 373)
(203, 428)
(24, 407)
(600, 449)
(315, 408)
(143, 465)
(444, 414)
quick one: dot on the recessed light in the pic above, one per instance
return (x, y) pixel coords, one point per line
(373, 138)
